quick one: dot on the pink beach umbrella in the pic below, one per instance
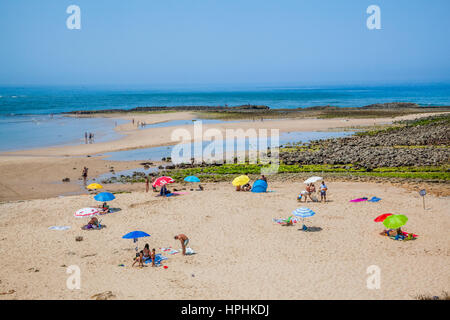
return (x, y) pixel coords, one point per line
(162, 181)
(86, 212)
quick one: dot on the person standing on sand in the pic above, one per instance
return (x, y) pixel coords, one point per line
(184, 241)
(85, 138)
(323, 192)
(84, 175)
(147, 184)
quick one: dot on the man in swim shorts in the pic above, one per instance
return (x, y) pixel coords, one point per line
(184, 241)
(323, 191)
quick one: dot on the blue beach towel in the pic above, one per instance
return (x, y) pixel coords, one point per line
(158, 258)
(374, 199)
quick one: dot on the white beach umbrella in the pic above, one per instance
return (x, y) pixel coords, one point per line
(312, 180)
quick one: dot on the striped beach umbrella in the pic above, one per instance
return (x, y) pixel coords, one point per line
(303, 213)
(86, 212)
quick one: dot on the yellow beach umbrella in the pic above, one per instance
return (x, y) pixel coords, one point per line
(94, 186)
(240, 181)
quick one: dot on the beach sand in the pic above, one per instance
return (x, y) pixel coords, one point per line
(153, 137)
(241, 253)
(41, 177)
(38, 173)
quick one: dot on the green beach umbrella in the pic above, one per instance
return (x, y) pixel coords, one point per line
(395, 221)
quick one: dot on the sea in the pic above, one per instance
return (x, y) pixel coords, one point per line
(30, 117)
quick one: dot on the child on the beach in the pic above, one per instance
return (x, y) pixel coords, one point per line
(153, 257)
(139, 258)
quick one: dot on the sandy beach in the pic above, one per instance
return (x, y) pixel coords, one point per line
(135, 138)
(241, 253)
(38, 173)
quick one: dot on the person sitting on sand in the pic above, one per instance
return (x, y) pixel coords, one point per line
(238, 188)
(139, 259)
(263, 177)
(164, 191)
(92, 224)
(393, 232)
(246, 187)
(323, 191)
(200, 187)
(146, 252)
(104, 207)
(184, 241)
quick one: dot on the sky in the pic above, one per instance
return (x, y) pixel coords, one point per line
(190, 42)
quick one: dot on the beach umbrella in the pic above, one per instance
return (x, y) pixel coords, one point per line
(104, 196)
(259, 186)
(86, 212)
(303, 213)
(382, 217)
(312, 180)
(162, 181)
(192, 179)
(241, 180)
(94, 186)
(135, 235)
(395, 221)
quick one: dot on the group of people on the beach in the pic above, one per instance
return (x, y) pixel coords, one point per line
(247, 186)
(88, 137)
(145, 254)
(310, 192)
(141, 124)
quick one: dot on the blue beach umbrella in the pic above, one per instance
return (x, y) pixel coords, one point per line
(192, 179)
(259, 186)
(303, 213)
(135, 235)
(104, 196)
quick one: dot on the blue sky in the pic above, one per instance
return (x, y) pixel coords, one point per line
(189, 42)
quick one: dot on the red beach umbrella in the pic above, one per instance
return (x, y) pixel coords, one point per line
(382, 217)
(162, 181)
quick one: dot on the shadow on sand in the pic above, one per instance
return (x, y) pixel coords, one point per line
(311, 229)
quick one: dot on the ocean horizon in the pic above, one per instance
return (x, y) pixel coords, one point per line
(32, 100)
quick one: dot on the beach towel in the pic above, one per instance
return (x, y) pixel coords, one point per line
(59, 228)
(158, 258)
(374, 199)
(284, 221)
(88, 227)
(169, 250)
(404, 236)
(358, 200)
(173, 194)
(180, 193)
